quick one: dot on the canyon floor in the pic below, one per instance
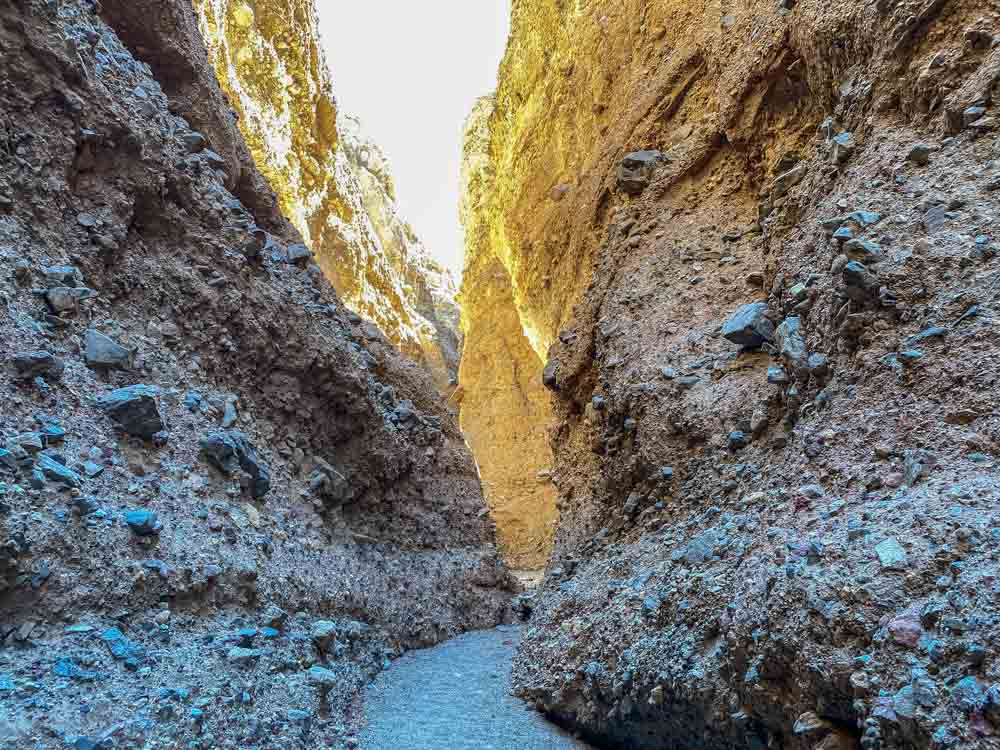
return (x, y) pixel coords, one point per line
(457, 695)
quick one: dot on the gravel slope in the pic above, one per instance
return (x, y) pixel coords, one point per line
(456, 696)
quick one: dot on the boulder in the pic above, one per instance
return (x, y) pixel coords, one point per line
(134, 410)
(103, 351)
(749, 326)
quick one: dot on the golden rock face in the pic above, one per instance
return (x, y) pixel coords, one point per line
(504, 407)
(331, 181)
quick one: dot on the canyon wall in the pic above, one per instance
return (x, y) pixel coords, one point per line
(505, 410)
(754, 245)
(225, 500)
(332, 182)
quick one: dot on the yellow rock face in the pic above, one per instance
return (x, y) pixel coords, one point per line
(243, 15)
(331, 181)
(504, 407)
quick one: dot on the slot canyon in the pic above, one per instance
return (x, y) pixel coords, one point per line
(701, 452)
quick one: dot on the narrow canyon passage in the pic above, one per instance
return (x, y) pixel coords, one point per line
(700, 452)
(457, 696)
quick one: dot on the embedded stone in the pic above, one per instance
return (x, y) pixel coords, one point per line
(749, 326)
(28, 365)
(231, 451)
(791, 344)
(637, 168)
(134, 410)
(919, 154)
(143, 522)
(57, 472)
(324, 635)
(66, 299)
(891, 554)
(103, 351)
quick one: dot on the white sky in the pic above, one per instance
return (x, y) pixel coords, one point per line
(411, 71)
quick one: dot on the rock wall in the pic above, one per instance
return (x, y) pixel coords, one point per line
(225, 501)
(777, 529)
(331, 180)
(505, 409)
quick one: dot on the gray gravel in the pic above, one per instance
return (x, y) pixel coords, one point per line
(457, 696)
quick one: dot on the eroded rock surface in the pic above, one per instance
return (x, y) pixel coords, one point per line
(150, 596)
(332, 181)
(762, 544)
(505, 410)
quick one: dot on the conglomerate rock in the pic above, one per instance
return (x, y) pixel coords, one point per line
(331, 180)
(156, 590)
(787, 547)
